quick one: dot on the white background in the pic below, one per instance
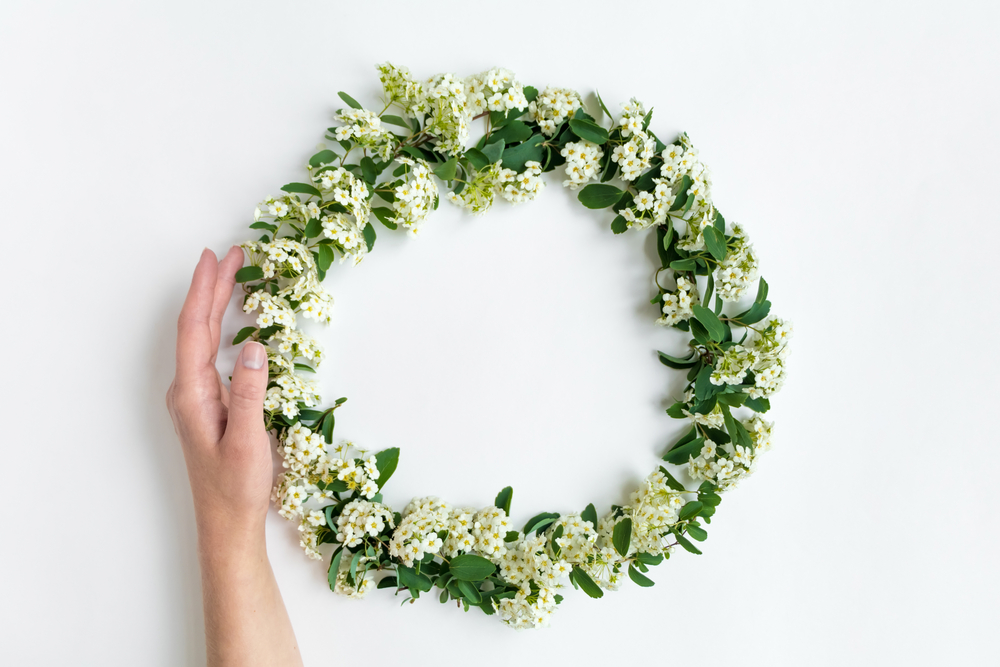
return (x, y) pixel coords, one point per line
(857, 142)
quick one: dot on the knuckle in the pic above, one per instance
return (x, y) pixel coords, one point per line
(248, 391)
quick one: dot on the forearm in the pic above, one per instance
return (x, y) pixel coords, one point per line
(245, 618)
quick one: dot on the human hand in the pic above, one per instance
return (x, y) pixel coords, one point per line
(222, 431)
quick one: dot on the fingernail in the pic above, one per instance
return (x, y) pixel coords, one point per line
(253, 356)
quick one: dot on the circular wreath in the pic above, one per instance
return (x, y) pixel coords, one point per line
(382, 165)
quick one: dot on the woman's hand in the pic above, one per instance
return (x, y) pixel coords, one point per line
(222, 431)
(228, 459)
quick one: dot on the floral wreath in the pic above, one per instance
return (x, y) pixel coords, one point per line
(477, 557)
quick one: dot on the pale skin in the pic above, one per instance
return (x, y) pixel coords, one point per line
(229, 465)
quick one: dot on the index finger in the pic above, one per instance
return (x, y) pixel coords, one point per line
(194, 335)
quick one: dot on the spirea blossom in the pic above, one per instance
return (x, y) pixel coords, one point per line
(553, 107)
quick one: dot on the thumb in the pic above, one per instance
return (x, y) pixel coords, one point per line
(246, 393)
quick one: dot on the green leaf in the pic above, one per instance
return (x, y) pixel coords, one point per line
(301, 188)
(715, 242)
(350, 100)
(680, 453)
(260, 224)
(446, 171)
(689, 510)
(672, 481)
(331, 573)
(675, 410)
(477, 158)
(597, 195)
(385, 216)
(387, 582)
(323, 157)
(758, 404)
(680, 190)
(410, 578)
(304, 367)
(494, 150)
(243, 334)
(677, 362)
(619, 225)
(513, 132)
(756, 312)
(369, 234)
(703, 387)
(352, 574)
(503, 499)
(732, 400)
(511, 536)
(697, 532)
(590, 514)
(586, 583)
(589, 130)
(649, 559)
(470, 592)
(325, 258)
(386, 462)
(469, 567)
(530, 150)
(622, 536)
(396, 120)
(248, 273)
(543, 519)
(639, 578)
(683, 541)
(711, 321)
(682, 265)
(368, 170)
(327, 428)
(603, 107)
(313, 228)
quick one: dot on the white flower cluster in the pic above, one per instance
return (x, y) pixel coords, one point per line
(653, 509)
(286, 207)
(307, 464)
(290, 259)
(739, 270)
(768, 342)
(345, 229)
(680, 160)
(552, 107)
(451, 103)
(295, 344)
(443, 99)
(650, 208)
(763, 352)
(678, 305)
(365, 579)
(634, 155)
(728, 464)
(529, 565)
(365, 128)
(417, 533)
(521, 187)
(287, 389)
(361, 519)
(414, 197)
(495, 90)
(399, 85)
(483, 532)
(714, 418)
(478, 194)
(583, 160)
(274, 310)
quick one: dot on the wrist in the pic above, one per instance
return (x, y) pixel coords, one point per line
(225, 540)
